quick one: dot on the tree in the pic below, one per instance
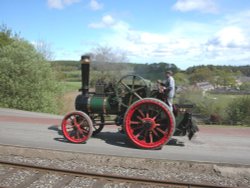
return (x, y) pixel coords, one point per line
(6, 36)
(26, 78)
(44, 48)
(181, 79)
(226, 78)
(201, 74)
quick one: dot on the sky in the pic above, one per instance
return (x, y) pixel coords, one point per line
(183, 32)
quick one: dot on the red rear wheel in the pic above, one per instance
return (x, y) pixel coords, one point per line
(77, 127)
(149, 123)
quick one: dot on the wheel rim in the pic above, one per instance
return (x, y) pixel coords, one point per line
(149, 123)
(77, 127)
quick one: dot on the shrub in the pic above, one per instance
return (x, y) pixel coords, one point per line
(26, 79)
(238, 111)
(205, 104)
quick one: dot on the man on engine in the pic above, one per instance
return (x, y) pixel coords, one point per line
(167, 88)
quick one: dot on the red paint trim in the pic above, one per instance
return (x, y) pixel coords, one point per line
(142, 143)
(75, 124)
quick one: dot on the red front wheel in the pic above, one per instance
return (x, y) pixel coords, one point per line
(77, 127)
(149, 123)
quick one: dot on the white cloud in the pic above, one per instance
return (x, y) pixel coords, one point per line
(222, 42)
(95, 5)
(57, 4)
(230, 44)
(230, 37)
(60, 4)
(107, 21)
(207, 6)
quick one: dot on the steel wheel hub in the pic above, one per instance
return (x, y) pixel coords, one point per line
(149, 123)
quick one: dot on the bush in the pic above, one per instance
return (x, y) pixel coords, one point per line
(26, 78)
(206, 105)
(238, 111)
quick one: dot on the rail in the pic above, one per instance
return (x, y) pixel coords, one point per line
(105, 177)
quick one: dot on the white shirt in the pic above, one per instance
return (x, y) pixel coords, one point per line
(170, 84)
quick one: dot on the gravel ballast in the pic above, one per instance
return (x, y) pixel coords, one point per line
(192, 172)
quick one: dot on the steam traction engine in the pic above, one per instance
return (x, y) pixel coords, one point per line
(133, 101)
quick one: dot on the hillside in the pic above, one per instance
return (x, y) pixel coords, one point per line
(70, 70)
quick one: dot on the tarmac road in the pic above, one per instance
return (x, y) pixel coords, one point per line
(212, 144)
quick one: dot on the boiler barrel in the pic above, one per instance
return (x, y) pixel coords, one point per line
(94, 104)
(98, 104)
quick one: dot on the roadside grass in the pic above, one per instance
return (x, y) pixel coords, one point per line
(70, 91)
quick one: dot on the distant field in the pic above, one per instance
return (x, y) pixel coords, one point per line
(223, 99)
(70, 86)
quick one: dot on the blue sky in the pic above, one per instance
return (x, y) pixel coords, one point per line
(183, 32)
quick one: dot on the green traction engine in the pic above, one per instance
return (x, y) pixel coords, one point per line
(133, 104)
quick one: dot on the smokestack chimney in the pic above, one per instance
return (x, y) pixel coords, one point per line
(85, 62)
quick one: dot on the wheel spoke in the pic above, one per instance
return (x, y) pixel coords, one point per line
(84, 131)
(69, 129)
(145, 135)
(157, 116)
(139, 134)
(139, 88)
(137, 127)
(126, 86)
(69, 125)
(160, 130)
(72, 133)
(75, 122)
(69, 122)
(141, 113)
(78, 132)
(135, 122)
(130, 99)
(81, 123)
(150, 137)
(138, 117)
(138, 96)
(155, 133)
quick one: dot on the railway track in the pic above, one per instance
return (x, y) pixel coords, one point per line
(25, 175)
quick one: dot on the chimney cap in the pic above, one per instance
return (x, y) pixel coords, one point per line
(85, 59)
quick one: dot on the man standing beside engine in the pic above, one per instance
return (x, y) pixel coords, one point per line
(168, 89)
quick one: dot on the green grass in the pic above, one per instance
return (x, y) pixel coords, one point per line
(70, 86)
(222, 98)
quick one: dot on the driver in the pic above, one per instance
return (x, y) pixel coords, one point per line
(167, 88)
